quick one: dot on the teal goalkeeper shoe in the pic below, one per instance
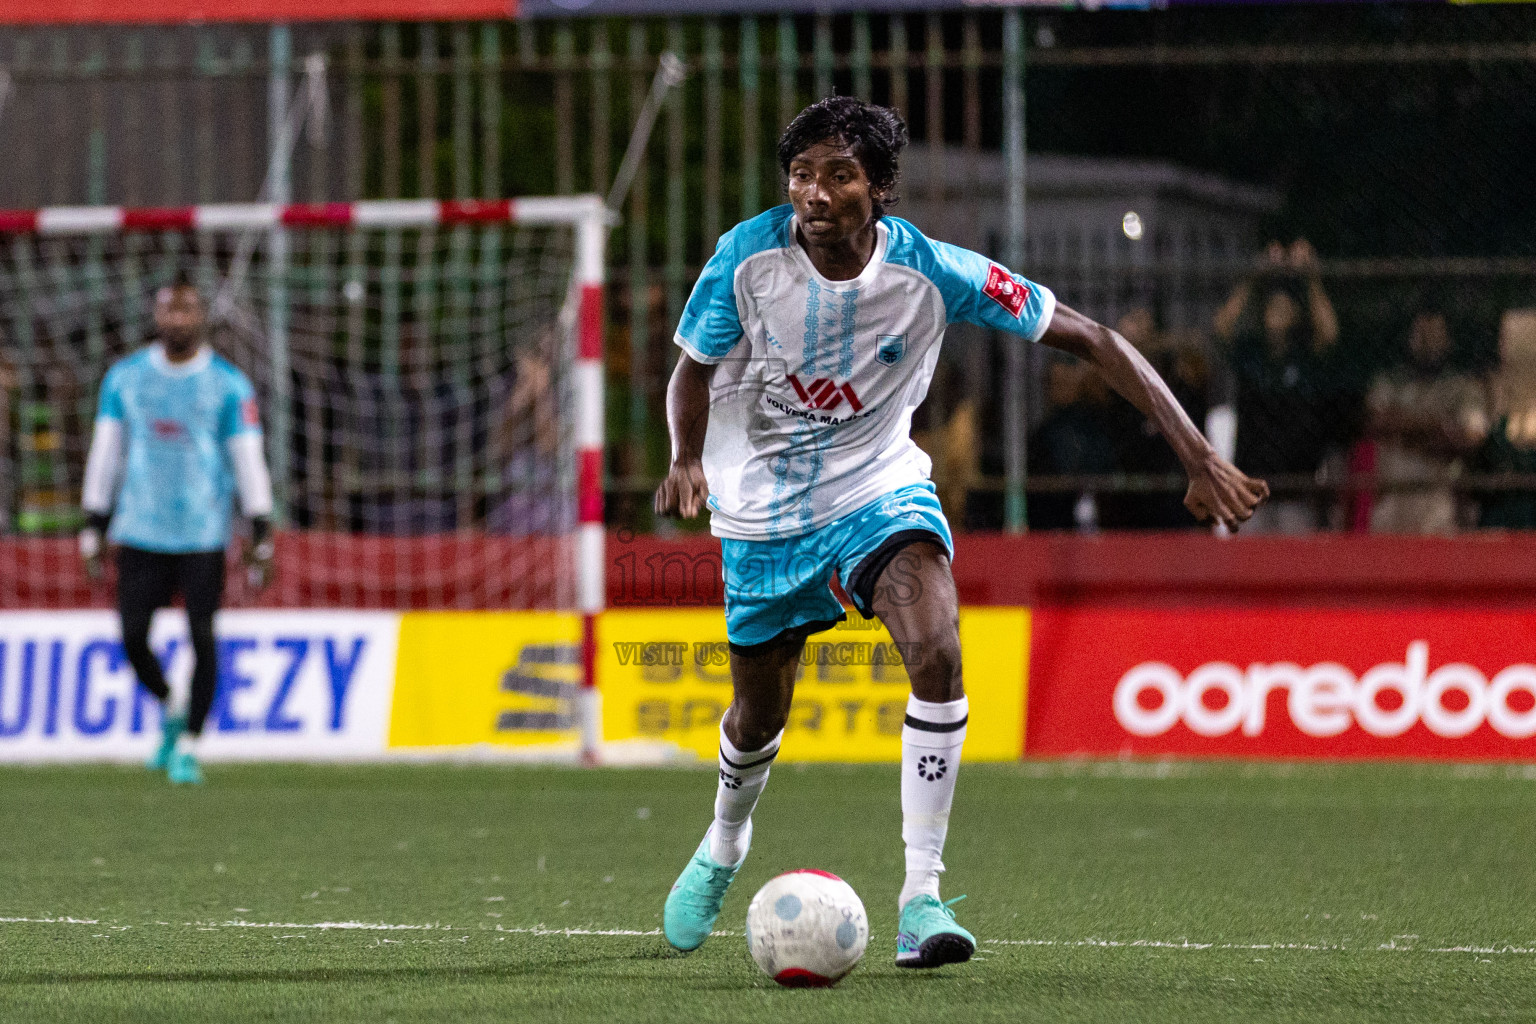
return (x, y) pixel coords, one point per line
(183, 770)
(928, 935)
(694, 902)
(170, 731)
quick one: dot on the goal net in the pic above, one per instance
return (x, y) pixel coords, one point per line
(426, 373)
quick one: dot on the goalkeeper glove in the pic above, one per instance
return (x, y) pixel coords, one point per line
(259, 554)
(93, 540)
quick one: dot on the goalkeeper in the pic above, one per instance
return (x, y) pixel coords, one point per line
(177, 431)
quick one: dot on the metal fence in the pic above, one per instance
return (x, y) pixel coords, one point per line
(1392, 138)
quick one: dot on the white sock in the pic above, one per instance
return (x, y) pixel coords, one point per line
(743, 774)
(930, 759)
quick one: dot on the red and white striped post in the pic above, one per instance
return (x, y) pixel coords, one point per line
(577, 211)
(586, 215)
(591, 568)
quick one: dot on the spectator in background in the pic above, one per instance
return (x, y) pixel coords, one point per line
(1138, 447)
(1073, 440)
(1507, 434)
(1419, 417)
(1279, 326)
(410, 439)
(526, 447)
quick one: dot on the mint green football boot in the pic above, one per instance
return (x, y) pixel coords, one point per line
(171, 728)
(183, 769)
(928, 935)
(694, 902)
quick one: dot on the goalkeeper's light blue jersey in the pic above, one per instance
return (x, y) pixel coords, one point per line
(178, 483)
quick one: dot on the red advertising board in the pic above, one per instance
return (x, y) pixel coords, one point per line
(1287, 682)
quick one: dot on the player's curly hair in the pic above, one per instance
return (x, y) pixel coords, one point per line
(876, 135)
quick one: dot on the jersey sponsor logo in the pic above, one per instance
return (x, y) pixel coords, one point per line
(824, 394)
(249, 414)
(170, 430)
(1002, 289)
(890, 348)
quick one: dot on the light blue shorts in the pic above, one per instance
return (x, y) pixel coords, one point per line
(773, 587)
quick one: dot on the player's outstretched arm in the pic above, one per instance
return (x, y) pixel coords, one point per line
(1218, 490)
(685, 490)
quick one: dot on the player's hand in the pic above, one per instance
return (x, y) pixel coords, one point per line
(683, 493)
(1219, 491)
(260, 565)
(260, 552)
(91, 549)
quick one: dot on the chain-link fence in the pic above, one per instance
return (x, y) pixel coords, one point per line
(1166, 150)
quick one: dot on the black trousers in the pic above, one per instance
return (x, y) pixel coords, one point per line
(148, 580)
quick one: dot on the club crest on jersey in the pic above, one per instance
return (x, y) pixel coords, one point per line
(1002, 289)
(824, 394)
(890, 348)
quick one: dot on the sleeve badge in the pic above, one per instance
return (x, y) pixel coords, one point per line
(1002, 289)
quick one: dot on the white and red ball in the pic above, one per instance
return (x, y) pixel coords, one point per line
(807, 929)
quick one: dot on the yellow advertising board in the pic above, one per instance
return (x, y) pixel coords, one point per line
(506, 678)
(665, 675)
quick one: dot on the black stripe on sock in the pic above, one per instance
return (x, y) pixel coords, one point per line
(918, 723)
(748, 764)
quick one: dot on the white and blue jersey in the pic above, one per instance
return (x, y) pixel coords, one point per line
(174, 429)
(811, 412)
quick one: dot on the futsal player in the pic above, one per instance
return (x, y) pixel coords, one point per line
(808, 341)
(177, 433)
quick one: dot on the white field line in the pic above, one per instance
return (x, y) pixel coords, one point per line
(1391, 947)
(541, 931)
(358, 926)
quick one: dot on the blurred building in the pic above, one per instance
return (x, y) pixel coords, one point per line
(1112, 238)
(1108, 236)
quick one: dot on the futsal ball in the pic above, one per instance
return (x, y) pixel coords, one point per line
(807, 929)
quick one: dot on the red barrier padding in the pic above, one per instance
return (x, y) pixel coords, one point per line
(1154, 570)
(331, 570)
(1180, 568)
(1167, 569)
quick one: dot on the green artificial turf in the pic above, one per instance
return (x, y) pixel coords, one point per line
(1405, 893)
